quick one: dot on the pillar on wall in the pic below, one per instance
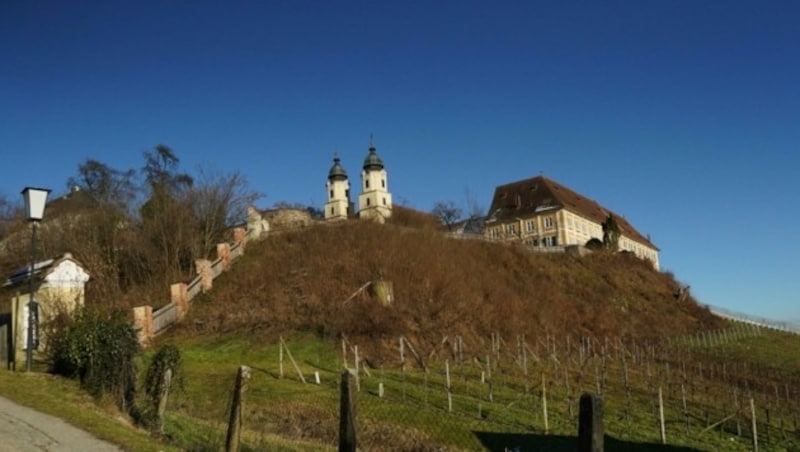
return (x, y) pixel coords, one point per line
(143, 323)
(205, 273)
(179, 295)
(224, 254)
(240, 236)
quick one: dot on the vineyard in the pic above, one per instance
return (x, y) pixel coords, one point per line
(506, 392)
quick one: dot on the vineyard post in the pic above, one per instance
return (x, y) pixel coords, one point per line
(661, 416)
(544, 403)
(344, 352)
(569, 393)
(753, 424)
(280, 358)
(356, 366)
(449, 391)
(737, 409)
(591, 430)
(237, 410)
(347, 417)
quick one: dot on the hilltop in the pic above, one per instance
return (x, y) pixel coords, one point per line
(302, 281)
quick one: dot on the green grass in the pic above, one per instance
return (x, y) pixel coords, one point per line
(282, 413)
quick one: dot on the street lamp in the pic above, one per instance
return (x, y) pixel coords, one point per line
(35, 199)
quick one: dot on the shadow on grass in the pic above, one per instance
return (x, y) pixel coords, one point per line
(493, 441)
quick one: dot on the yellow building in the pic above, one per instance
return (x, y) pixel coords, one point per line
(546, 215)
(59, 286)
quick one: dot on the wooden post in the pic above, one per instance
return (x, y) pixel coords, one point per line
(661, 416)
(591, 430)
(544, 404)
(754, 429)
(235, 420)
(162, 400)
(355, 361)
(449, 393)
(344, 352)
(294, 363)
(347, 427)
(280, 358)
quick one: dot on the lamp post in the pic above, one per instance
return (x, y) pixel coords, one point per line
(35, 199)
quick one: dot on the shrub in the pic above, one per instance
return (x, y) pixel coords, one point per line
(98, 349)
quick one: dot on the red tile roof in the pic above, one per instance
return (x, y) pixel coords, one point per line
(529, 197)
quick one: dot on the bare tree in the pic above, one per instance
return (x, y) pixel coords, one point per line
(447, 212)
(474, 209)
(218, 202)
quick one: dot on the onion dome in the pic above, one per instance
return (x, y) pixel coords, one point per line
(372, 162)
(337, 172)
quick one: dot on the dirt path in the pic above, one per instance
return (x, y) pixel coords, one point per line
(23, 429)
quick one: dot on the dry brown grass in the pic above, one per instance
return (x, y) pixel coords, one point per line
(300, 281)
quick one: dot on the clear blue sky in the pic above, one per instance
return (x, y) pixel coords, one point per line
(682, 115)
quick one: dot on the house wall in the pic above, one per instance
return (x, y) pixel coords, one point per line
(52, 302)
(568, 228)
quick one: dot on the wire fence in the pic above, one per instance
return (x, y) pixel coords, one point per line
(764, 322)
(522, 396)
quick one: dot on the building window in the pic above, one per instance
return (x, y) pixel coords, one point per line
(383, 183)
(331, 210)
(548, 222)
(331, 194)
(366, 183)
(530, 226)
(511, 229)
(384, 201)
(367, 201)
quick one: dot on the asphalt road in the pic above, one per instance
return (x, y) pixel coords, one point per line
(23, 429)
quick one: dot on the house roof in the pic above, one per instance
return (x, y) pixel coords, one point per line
(40, 270)
(538, 194)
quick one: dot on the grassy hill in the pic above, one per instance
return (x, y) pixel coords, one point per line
(302, 280)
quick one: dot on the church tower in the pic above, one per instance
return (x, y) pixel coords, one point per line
(337, 207)
(375, 201)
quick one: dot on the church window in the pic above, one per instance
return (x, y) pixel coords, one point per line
(384, 201)
(366, 183)
(367, 201)
(331, 194)
(383, 183)
(331, 210)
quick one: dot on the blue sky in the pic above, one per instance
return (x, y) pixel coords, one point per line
(684, 116)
